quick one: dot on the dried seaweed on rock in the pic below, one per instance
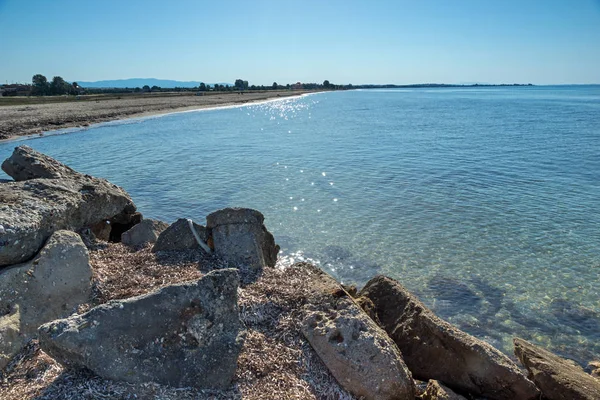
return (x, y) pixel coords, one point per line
(276, 362)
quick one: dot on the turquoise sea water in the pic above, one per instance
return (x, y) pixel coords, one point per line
(483, 201)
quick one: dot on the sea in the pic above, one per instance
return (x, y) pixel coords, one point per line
(482, 201)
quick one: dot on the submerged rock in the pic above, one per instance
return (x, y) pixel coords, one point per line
(557, 378)
(50, 286)
(178, 236)
(32, 210)
(362, 358)
(182, 335)
(434, 349)
(241, 239)
(145, 232)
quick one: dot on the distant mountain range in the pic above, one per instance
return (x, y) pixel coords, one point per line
(140, 82)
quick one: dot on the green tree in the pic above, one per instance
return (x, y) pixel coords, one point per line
(155, 88)
(241, 84)
(202, 87)
(326, 83)
(146, 88)
(58, 86)
(40, 85)
(275, 86)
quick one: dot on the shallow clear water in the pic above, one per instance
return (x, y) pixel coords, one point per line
(483, 201)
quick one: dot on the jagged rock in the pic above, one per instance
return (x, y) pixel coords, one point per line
(434, 349)
(26, 163)
(178, 236)
(182, 335)
(50, 286)
(241, 239)
(359, 354)
(33, 209)
(557, 378)
(595, 368)
(437, 391)
(145, 232)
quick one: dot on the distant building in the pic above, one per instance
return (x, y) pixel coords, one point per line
(15, 90)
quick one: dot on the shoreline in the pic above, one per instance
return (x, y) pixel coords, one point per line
(22, 122)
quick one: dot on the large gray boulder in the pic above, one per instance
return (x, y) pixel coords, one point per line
(182, 335)
(178, 236)
(143, 233)
(50, 286)
(434, 349)
(26, 163)
(557, 378)
(359, 354)
(241, 239)
(31, 210)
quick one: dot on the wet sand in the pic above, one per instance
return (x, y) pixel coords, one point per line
(28, 117)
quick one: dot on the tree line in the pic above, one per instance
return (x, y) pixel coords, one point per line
(40, 86)
(58, 86)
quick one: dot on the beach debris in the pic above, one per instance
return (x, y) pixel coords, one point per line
(147, 231)
(201, 243)
(178, 236)
(556, 377)
(462, 362)
(48, 287)
(241, 239)
(31, 210)
(359, 354)
(183, 335)
(435, 390)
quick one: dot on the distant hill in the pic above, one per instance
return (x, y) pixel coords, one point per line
(140, 82)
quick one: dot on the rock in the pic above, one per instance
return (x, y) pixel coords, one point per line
(594, 367)
(178, 236)
(33, 209)
(368, 307)
(556, 377)
(241, 239)
(434, 349)
(50, 286)
(182, 335)
(362, 358)
(26, 163)
(145, 232)
(437, 391)
(123, 222)
(101, 230)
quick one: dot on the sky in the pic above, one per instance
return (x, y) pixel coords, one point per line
(284, 41)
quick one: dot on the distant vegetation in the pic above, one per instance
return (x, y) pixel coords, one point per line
(58, 86)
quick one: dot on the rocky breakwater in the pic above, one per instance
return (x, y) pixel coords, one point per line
(47, 196)
(227, 330)
(45, 271)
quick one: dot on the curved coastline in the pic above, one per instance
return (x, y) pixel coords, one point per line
(14, 126)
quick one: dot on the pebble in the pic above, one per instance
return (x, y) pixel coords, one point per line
(2, 230)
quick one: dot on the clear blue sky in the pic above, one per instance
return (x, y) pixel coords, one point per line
(344, 41)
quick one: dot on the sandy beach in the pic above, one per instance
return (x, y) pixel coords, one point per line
(28, 116)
